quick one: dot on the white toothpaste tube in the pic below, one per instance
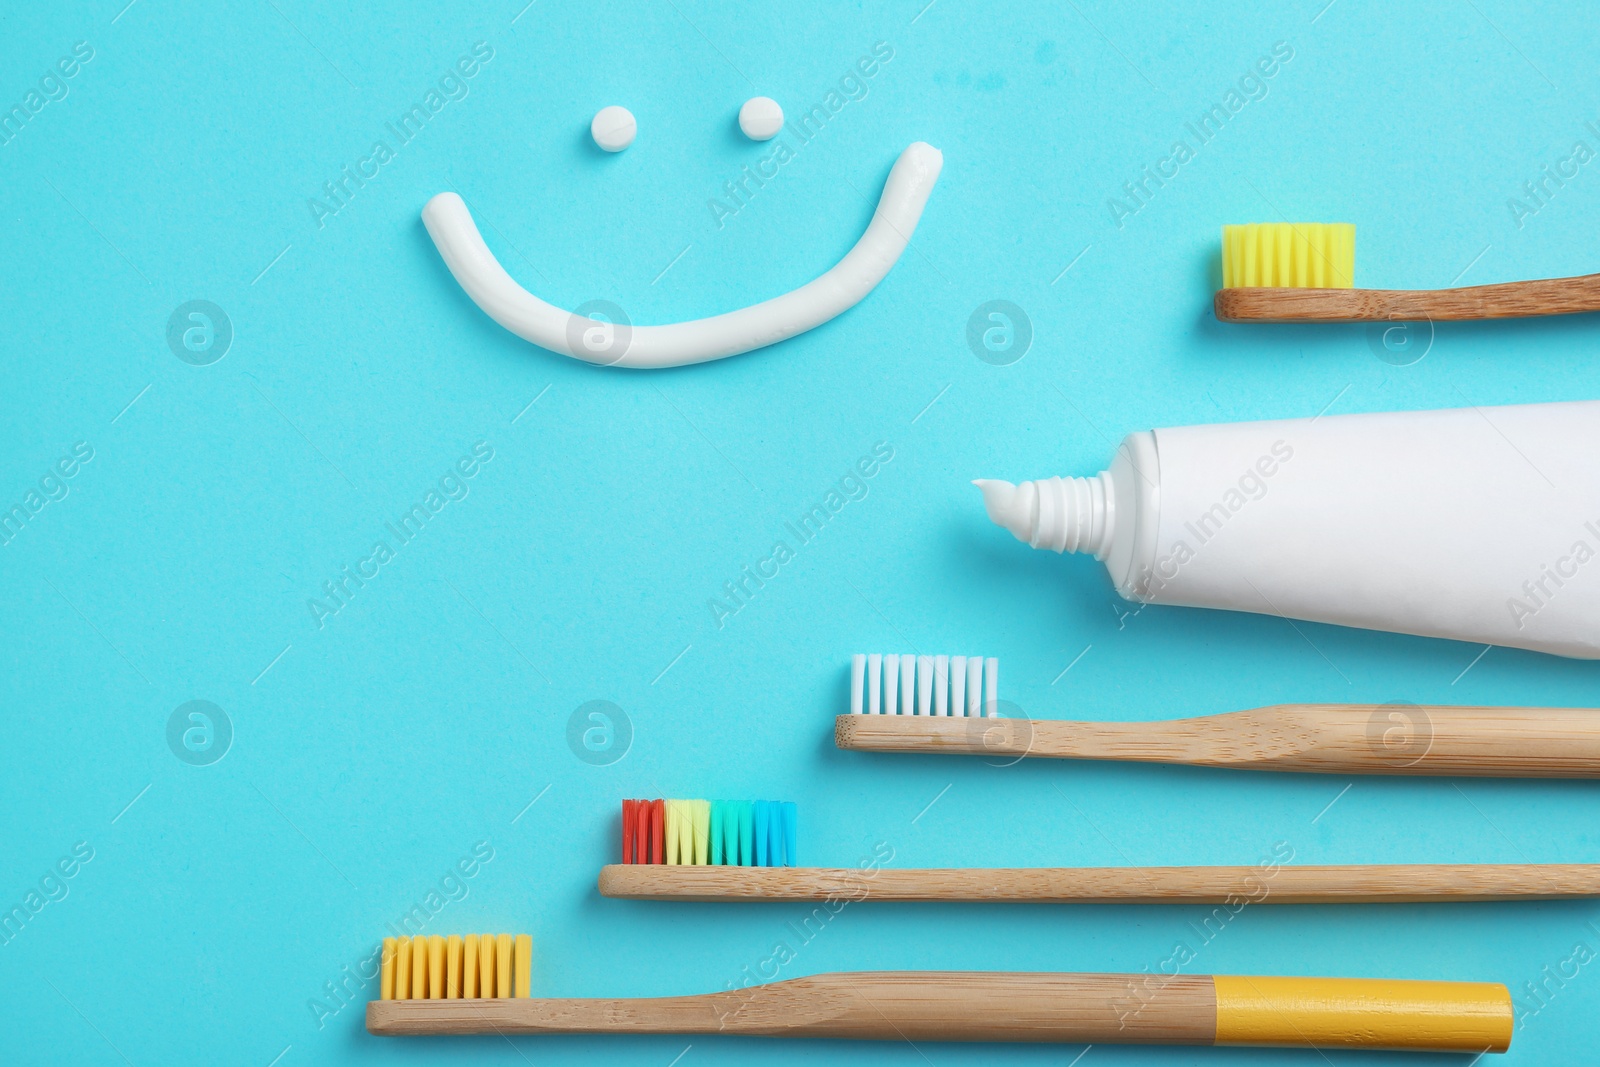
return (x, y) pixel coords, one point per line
(1475, 524)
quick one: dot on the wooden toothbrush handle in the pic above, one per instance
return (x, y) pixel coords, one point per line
(1495, 742)
(1150, 1008)
(881, 1005)
(1506, 300)
(1403, 883)
(1504, 742)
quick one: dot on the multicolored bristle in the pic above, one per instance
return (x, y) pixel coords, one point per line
(963, 686)
(478, 966)
(1293, 255)
(731, 833)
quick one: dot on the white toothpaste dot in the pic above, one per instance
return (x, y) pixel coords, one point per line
(761, 118)
(613, 128)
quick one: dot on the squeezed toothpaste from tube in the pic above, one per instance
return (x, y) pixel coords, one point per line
(1476, 524)
(678, 344)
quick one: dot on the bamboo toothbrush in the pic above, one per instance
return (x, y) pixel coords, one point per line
(1304, 272)
(1503, 742)
(1322, 1013)
(685, 865)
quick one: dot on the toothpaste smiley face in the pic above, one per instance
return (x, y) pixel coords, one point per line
(679, 344)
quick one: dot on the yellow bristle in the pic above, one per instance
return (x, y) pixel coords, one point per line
(685, 832)
(686, 835)
(436, 967)
(452, 967)
(502, 966)
(486, 966)
(1278, 261)
(669, 821)
(702, 831)
(469, 967)
(402, 969)
(1300, 255)
(524, 956)
(386, 971)
(473, 967)
(419, 968)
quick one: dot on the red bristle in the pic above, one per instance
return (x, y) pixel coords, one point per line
(641, 832)
(629, 823)
(658, 831)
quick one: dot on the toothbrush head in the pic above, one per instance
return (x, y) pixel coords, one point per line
(732, 833)
(1289, 255)
(475, 967)
(924, 685)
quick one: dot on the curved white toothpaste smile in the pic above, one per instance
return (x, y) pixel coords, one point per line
(678, 344)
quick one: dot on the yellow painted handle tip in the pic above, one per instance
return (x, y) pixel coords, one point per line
(1364, 1013)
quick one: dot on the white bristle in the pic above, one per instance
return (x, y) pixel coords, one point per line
(912, 684)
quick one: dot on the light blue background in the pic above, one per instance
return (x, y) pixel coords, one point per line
(371, 754)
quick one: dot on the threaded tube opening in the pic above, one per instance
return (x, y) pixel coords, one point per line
(1074, 515)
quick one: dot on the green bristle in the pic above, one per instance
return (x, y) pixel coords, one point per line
(717, 809)
(730, 833)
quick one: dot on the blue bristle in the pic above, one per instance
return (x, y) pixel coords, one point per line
(791, 833)
(747, 834)
(774, 834)
(763, 820)
(775, 856)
